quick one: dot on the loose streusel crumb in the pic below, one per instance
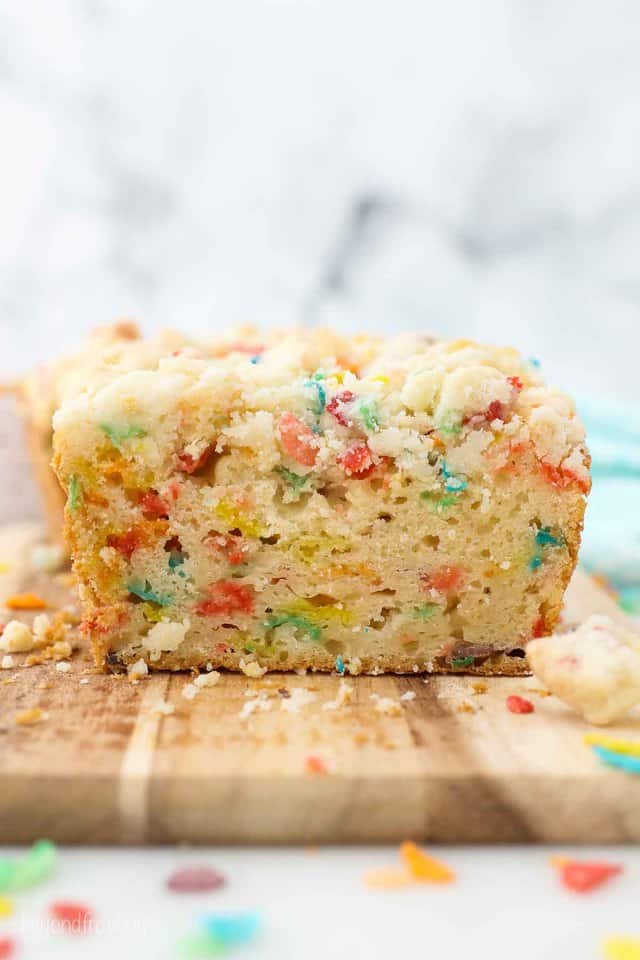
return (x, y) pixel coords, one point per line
(387, 705)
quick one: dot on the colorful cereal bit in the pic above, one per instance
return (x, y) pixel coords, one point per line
(25, 601)
(630, 748)
(231, 930)
(33, 868)
(582, 876)
(227, 596)
(6, 908)
(340, 407)
(195, 880)
(190, 464)
(340, 664)
(517, 704)
(298, 440)
(443, 580)
(153, 504)
(451, 423)
(461, 663)
(422, 868)
(621, 948)
(146, 592)
(8, 948)
(74, 493)
(201, 945)
(437, 503)
(453, 483)
(71, 916)
(356, 461)
(368, 411)
(125, 543)
(620, 761)
(301, 623)
(315, 764)
(295, 480)
(319, 396)
(426, 610)
(119, 435)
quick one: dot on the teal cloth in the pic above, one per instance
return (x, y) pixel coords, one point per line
(611, 543)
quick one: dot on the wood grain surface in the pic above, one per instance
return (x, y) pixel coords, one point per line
(104, 766)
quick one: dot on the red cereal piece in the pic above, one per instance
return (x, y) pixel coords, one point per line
(151, 502)
(584, 876)
(337, 407)
(357, 461)
(71, 916)
(517, 704)
(189, 464)
(232, 547)
(561, 477)
(516, 383)
(444, 580)
(195, 880)
(125, 543)
(7, 948)
(298, 439)
(315, 764)
(226, 596)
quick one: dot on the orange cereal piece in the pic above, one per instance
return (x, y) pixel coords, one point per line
(28, 717)
(25, 601)
(423, 868)
(387, 879)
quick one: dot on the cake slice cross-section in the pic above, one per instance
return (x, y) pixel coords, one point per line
(301, 500)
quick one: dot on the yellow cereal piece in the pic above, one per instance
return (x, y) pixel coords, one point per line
(236, 517)
(6, 907)
(28, 717)
(4, 567)
(423, 868)
(629, 747)
(25, 601)
(619, 948)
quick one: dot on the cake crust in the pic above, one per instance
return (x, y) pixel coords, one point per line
(306, 501)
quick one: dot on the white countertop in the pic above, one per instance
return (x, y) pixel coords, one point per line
(507, 904)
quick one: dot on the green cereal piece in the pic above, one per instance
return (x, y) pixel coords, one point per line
(201, 945)
(461, 662)
(425, 611)
(36, 866)
(300, 622)
(294, 480)
(119, 435)
(145, 592)
(439, 503)
(535, 562)
(74, 493)
(452, 423)
(369, 412)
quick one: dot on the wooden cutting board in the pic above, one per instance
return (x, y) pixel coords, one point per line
(105, 766)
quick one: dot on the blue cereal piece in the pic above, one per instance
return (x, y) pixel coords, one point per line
(231, 930)
(340, 665)
(620, 761)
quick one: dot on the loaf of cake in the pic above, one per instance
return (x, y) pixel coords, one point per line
(302, 500)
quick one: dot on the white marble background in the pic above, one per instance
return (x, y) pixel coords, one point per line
(469, 167)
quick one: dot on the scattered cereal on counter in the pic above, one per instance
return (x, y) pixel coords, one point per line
(7, 948)
(25, 601)
(259, 703)
(516, 704)
(251, 668)
(7, 662)
(195, 880)
(618, 760)
(582, 876)
(71, 916)
(6, 907)
(621, 948)
(423, 868)
(33, 868)
(62, 666)
(207, 679)
(300, 697)
(387, 705)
